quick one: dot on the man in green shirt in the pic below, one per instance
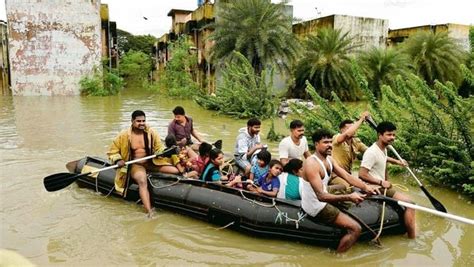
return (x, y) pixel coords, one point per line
(346, 147)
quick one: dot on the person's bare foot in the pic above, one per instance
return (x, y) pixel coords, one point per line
(151, 214)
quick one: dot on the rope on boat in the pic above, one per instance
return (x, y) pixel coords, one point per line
(377, 242)
(97, 184)
(225, 226)
(376, 239)
(382, 218)
(281, 214)
(257, 202)
(164, 186)
(230, 168)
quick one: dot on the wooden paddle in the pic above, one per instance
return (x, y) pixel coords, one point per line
(59, 181)
(425, 209)
(436, 204)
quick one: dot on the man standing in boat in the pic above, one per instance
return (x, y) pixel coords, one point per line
(247, 143)
(136, 142)
(373, 170)
(317, 202)
(294, 146)
(182, 128)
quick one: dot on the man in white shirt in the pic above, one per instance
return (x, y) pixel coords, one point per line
(373, 170)
(246, 144)
(294, 146)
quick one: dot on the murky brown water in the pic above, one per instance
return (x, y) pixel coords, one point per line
(77, 227)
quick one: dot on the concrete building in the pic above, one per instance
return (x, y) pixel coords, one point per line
(52, 45)
(109, 37)
(459, 32)
(193, 25)
(4, 63)
(366, 32)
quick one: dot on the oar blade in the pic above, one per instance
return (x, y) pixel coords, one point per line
(59, 181)
(436, 204)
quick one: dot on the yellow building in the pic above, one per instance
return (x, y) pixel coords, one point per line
(191, 24)
(459, 32)
(4, 64)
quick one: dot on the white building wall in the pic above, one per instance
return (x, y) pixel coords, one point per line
(53, 44)
(367, 32)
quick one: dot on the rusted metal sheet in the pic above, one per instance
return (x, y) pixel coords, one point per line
(53, 44)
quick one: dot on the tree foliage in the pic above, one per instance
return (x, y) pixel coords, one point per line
(435, 56)
(466, 88)
(135, 66)
(325, 63)
(258, 29)
(128, 41)
(101, 83)
(434, 135)
(242, 93)
(382, 66)
(176, 80)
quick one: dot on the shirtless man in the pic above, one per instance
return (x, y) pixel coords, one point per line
(136, 142)
(317, 202)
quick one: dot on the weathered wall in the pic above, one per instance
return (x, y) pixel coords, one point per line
(53, 44)
(366, 32)
(305, 28)
(459, 32)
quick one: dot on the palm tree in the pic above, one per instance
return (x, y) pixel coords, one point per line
(381, 66)
(258, 29)
(326, 64)
(435, 56)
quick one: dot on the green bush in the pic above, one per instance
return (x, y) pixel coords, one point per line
(434, 134)
(242, 93)
(273, 135)
(135, 66)
(177, 80)
(101, 83)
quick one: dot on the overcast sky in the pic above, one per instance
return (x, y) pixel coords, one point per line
(400, 13)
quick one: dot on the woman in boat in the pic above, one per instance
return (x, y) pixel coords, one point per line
(201, 161)
(290, 183)
(212, 172)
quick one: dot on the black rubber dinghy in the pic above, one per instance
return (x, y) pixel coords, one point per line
(245, 211)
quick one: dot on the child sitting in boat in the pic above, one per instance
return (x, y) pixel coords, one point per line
(269, 185)
(212, 172)
(179, 163)
(201, 161)
(290, 183)
(259, 168)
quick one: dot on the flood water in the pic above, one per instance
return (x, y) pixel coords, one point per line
(78, 227)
